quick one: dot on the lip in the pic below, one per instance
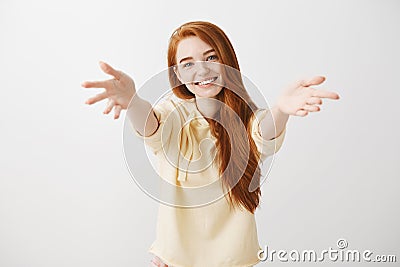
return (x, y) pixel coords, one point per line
(214, 77)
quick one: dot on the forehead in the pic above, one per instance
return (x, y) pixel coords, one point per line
(191, 47)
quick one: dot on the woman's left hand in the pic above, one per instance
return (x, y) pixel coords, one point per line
(301, 98)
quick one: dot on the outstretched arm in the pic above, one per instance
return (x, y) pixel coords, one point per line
(120, 90)
(297, 100)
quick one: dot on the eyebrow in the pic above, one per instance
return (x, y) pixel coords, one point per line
(205, 53)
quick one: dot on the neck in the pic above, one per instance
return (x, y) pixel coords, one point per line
(208, 107)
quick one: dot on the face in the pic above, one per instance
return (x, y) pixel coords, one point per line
(198, 67)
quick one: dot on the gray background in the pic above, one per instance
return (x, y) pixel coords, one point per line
(66, 196)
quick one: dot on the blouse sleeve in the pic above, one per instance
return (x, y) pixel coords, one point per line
(160, 138)
(265, 147)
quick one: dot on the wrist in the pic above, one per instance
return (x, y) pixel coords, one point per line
(277, 110)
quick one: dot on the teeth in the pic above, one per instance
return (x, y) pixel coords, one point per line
(207, 81)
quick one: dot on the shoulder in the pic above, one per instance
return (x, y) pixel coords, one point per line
(171, 99)
(171, 105)
(257, 116)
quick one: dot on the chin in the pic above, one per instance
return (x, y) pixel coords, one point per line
(208, 92)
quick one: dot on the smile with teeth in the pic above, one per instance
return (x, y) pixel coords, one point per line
(205, 82)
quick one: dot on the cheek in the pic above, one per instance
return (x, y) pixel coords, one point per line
(187, 77)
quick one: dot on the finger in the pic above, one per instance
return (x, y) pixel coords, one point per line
(117, 111)
(110, 70)
(109, 107)
(324, 94)
(95, 84)
(301, 113)
(311, 108)
(314, 101)
(313, 81)
(96, 98)
(156, 262)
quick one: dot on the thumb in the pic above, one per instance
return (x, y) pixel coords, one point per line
(109, 70)
(313, 81)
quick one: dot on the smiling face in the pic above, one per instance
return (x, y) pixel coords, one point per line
(198, 67)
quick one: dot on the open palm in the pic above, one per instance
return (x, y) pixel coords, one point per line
(119, 90)
(300, 98)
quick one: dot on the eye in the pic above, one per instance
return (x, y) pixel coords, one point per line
(212, 57)
(186, 65)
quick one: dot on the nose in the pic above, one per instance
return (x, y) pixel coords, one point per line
(202, 68)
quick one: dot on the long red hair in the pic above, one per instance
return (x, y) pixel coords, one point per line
(243, 162)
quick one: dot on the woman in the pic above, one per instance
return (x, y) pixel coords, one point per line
(204, 75)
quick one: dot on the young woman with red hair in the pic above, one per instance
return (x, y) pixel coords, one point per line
(206, 85)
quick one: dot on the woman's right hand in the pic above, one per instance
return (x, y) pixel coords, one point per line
(119, 90)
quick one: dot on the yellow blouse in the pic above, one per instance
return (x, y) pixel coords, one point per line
(207, 235)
